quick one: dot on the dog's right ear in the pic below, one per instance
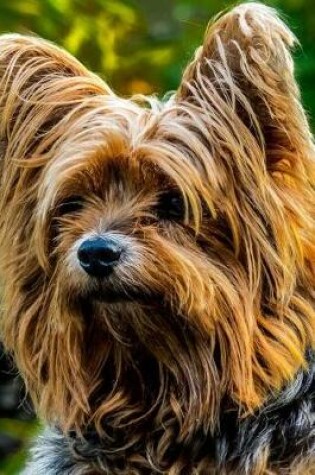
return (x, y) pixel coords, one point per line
(240, 96)
(38, 82)
(244, 74)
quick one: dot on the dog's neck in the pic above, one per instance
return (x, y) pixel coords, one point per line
(276, 435)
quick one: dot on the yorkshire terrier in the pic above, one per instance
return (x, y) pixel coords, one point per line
(158, 259)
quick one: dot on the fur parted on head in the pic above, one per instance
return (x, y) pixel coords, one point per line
(211, 196)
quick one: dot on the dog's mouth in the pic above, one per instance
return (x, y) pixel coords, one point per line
(116, 296)
(112, 295)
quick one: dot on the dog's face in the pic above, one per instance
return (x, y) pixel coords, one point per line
(127, 228)
(121, 220)
(157, 257)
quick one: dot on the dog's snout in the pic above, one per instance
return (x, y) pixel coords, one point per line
(98, 256)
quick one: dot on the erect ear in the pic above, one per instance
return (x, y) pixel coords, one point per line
(38, 82)
(240, 95)
(245, 67)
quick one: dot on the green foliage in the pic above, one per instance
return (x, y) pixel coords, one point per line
(24, 431)
(140, 46)
(143, 45)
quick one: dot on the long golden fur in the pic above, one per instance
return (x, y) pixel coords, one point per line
(221, 306)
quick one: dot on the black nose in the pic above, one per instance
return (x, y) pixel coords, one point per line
(98, 256)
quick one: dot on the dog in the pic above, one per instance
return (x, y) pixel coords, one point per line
(158, 258)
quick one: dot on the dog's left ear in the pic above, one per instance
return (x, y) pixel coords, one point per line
(39, 83)
(43, 90)
(244, 74)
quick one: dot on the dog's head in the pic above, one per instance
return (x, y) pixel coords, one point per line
(157, 256)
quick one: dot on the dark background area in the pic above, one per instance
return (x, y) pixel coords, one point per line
(138, 46)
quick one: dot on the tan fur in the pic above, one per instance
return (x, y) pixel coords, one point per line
(238, 274)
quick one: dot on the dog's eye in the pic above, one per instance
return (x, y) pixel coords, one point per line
(71, 205)
(171, 206)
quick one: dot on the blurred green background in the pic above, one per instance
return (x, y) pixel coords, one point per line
(143, 45)
(139, 46)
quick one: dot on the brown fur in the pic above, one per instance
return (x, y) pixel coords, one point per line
(231, 309)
